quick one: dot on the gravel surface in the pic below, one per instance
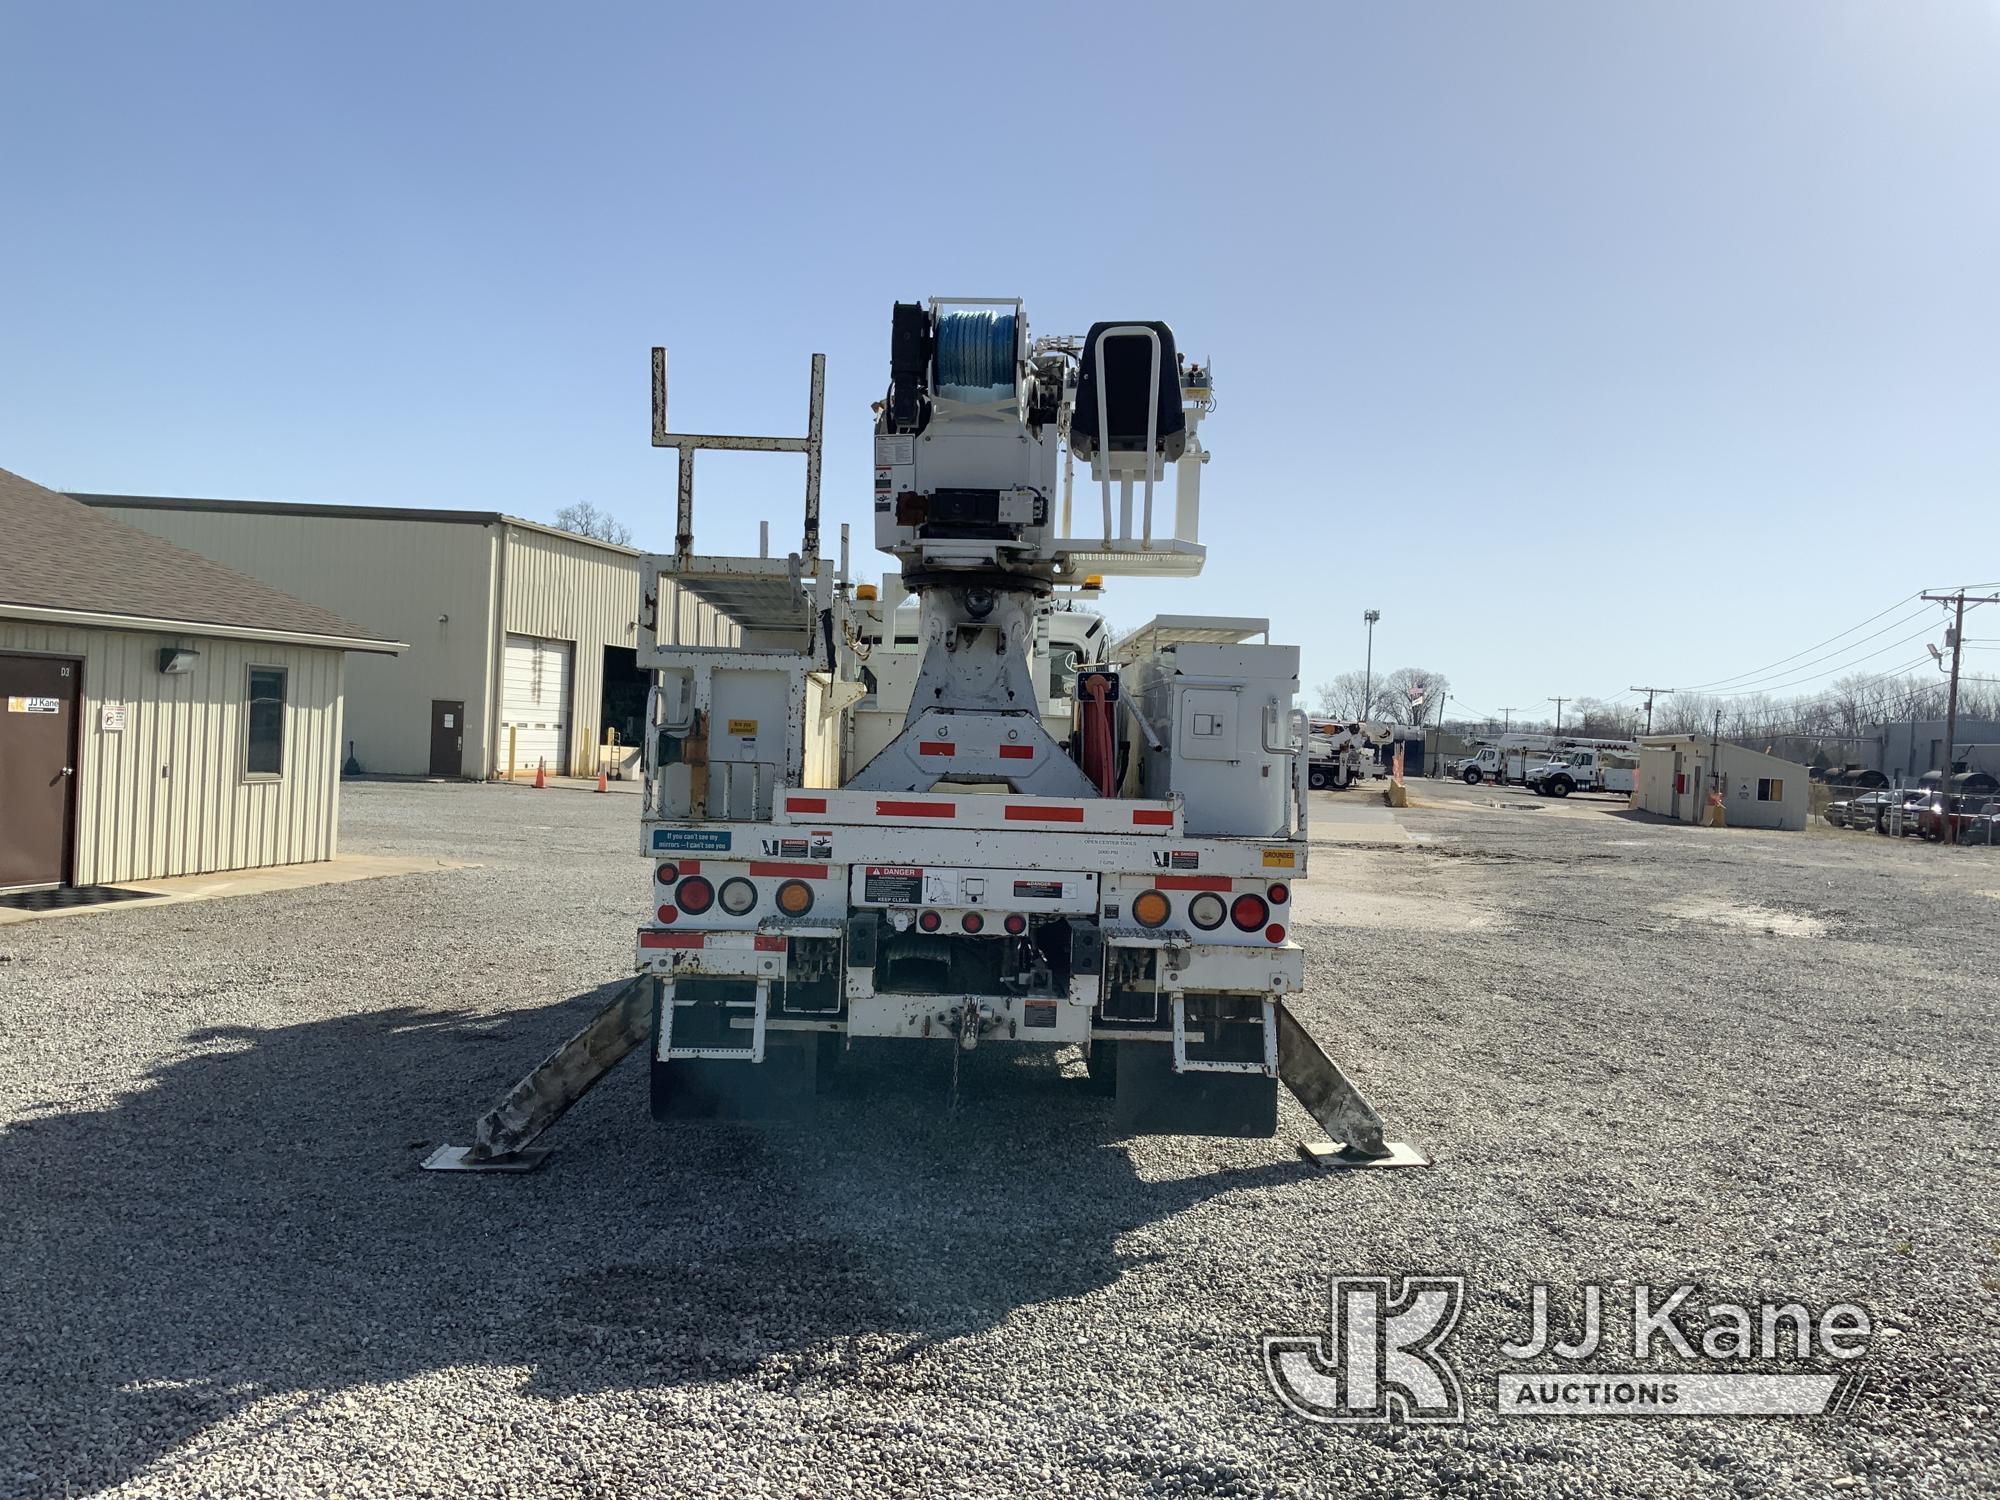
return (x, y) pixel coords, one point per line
(1760, 1062)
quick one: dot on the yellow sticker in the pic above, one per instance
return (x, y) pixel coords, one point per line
(743, 726)
(1281, 859)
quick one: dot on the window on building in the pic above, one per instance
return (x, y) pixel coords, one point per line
(265, 751)
(1770, 789)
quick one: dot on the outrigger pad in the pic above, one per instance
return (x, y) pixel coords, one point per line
(461, 1159)
(1331, 1156)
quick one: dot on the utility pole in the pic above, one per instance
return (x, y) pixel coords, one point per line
(1507, 723)
(1559, 702)
(1649, 691)
(1958, 601)
(1369, 617)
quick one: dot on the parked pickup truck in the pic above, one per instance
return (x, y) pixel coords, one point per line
(1584, 771)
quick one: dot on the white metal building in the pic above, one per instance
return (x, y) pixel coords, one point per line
(522, 637)
(1677, 776)
(159, 714)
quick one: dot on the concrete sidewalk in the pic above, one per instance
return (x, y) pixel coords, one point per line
(342, 870)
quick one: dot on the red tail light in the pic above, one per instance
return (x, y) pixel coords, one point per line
(1275, 933)
(930, 921)
(667, 874)
(1016, 924)
(1279, 894)
(695, 895)
(973, 922)
(666, 914)
(1249, 912)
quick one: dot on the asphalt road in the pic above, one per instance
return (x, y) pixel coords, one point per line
(1762, 1063)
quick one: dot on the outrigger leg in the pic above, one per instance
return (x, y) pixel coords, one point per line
(1331, 1098)
(502, 1137)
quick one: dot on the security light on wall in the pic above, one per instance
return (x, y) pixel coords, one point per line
(176, 660)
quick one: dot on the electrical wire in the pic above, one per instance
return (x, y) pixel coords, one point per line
(1781, 661)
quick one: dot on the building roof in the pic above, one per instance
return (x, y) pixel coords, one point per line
(63, 562)
(347, 512)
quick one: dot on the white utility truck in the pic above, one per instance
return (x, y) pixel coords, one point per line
(972, 878)
(1343, 753)
(1608, 768)
(1487, 763)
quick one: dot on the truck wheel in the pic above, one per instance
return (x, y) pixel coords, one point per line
(1316, 779)
(1562, 786)
(1152, 1099)
(1473, 776)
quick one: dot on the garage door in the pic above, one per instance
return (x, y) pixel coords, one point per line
(534, 703)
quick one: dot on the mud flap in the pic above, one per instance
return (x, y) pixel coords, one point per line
(781, 1087)
(1152, 1099)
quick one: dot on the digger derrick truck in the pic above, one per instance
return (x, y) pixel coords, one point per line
(975, 880)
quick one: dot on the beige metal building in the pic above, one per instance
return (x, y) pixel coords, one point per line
(522, 637)
(159, 714)
(1678, 774)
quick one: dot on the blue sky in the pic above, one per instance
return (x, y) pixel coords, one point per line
(1592, 344)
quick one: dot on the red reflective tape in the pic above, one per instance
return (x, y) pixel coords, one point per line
(936, 747)
(1016, 813)
(805, 804)
(1193, 882)
(916, 809)
(670, 939)
(1152, 817)
(1017, 752)
(803, 872)
(770, 944)
(690, 867)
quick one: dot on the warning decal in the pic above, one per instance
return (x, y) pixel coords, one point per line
(898, 885)
(1038, 890)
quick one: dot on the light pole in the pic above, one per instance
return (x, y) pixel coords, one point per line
(1370, 616)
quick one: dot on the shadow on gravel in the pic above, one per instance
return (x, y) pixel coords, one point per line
(252, 1223)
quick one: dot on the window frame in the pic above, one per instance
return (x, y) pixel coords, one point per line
(250, 701)
(1770, 789)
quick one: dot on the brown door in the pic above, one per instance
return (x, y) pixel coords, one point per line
(447, 738)
(38, 706)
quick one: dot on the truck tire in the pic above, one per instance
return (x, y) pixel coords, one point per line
(1473, 776)
(1561, 786)
(1316, 778)
(1152, 1099)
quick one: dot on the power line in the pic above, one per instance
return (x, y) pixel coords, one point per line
(1781, 661)
(1777, 687)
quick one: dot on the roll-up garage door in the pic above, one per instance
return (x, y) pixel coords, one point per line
(534, 704)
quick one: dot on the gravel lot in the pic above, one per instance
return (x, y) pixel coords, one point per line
(1762, 1062)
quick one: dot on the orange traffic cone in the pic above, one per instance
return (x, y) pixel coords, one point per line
(603, 781)
(541, 774)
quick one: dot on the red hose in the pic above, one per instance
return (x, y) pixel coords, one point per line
(1097, 738)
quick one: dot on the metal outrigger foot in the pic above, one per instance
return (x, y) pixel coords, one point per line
(1331, 1098)
(502, 1138)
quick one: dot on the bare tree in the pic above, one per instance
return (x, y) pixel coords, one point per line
(1412, 695)
(1346, 697)
(585, 519)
